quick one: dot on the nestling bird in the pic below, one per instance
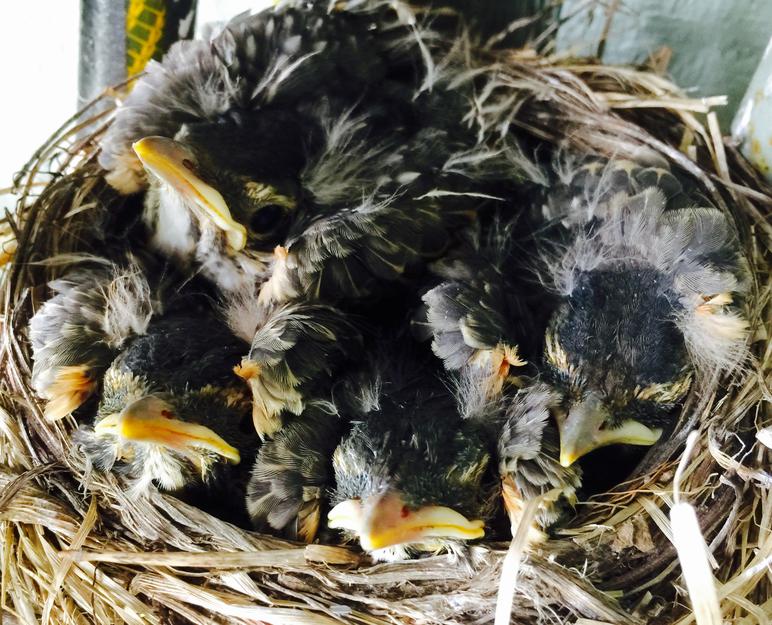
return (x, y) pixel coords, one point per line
(291, 350)
(311, 153)
(171, 410)
(650, 300)
(295, 138)
(401, 469)
(480, 315)
(291, 477)
(523, 439)
(646, 302)
(643, 303)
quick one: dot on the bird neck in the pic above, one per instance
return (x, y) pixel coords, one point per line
(168, 218)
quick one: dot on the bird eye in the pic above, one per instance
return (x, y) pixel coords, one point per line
(269, 208)
(665, 393)
(266, 218)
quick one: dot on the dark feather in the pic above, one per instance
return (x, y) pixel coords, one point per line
(271, 59)
(293, 472)
(528, 451)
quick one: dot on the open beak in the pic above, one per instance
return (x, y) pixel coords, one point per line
(170, 161)
(147, 421)
(582, 430)
(385, 520)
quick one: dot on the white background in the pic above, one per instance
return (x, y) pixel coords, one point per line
(39, 72)
(38, 77)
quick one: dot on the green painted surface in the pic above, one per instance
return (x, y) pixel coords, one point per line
(716, 44)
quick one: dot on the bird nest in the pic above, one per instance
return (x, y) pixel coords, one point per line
(78, 553)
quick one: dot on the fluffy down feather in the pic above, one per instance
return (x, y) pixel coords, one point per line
(525, 441)
(292, 347)
(621, 223)
(258, 60)
(76, 334)
(346, 255)
(528, 451)
(478, 315)
(288, 483)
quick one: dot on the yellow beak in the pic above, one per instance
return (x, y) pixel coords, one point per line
(170, 161)
(582, 430)
(385, 520)
(149, 420)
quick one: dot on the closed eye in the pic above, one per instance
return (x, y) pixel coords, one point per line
(665, 393)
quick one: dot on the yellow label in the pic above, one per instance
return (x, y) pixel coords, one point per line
(145, 21)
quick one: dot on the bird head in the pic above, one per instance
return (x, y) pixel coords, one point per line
(410, 482)
(646, 308)
(148, 440)
(224, 194)
(617, 360)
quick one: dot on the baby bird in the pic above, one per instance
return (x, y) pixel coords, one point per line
(170, 409)
(646, 301)
(480, 315)
(291, 139)
(402, 471)
(519, 429)
(409, 473)
(642, 301)
(292, 349)
(76, 333)
(650, 299)
(310, 153)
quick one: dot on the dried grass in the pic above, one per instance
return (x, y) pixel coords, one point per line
(74, 554)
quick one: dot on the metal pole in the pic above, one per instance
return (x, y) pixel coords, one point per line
(102, 47)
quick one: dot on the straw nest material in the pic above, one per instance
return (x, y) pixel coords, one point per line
(78, 554)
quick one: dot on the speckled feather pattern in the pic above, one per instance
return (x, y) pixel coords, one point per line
(264, 59)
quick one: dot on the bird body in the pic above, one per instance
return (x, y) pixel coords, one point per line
(292, 349)
(410, 473)
(309, 154)
(522, 437)
(648, 303)
(291, 127)
(640, 293)
(76, 333)
(479, 313)
(391, 456)
(170, 407)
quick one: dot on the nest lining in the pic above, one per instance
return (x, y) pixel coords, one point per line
(80, 553)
